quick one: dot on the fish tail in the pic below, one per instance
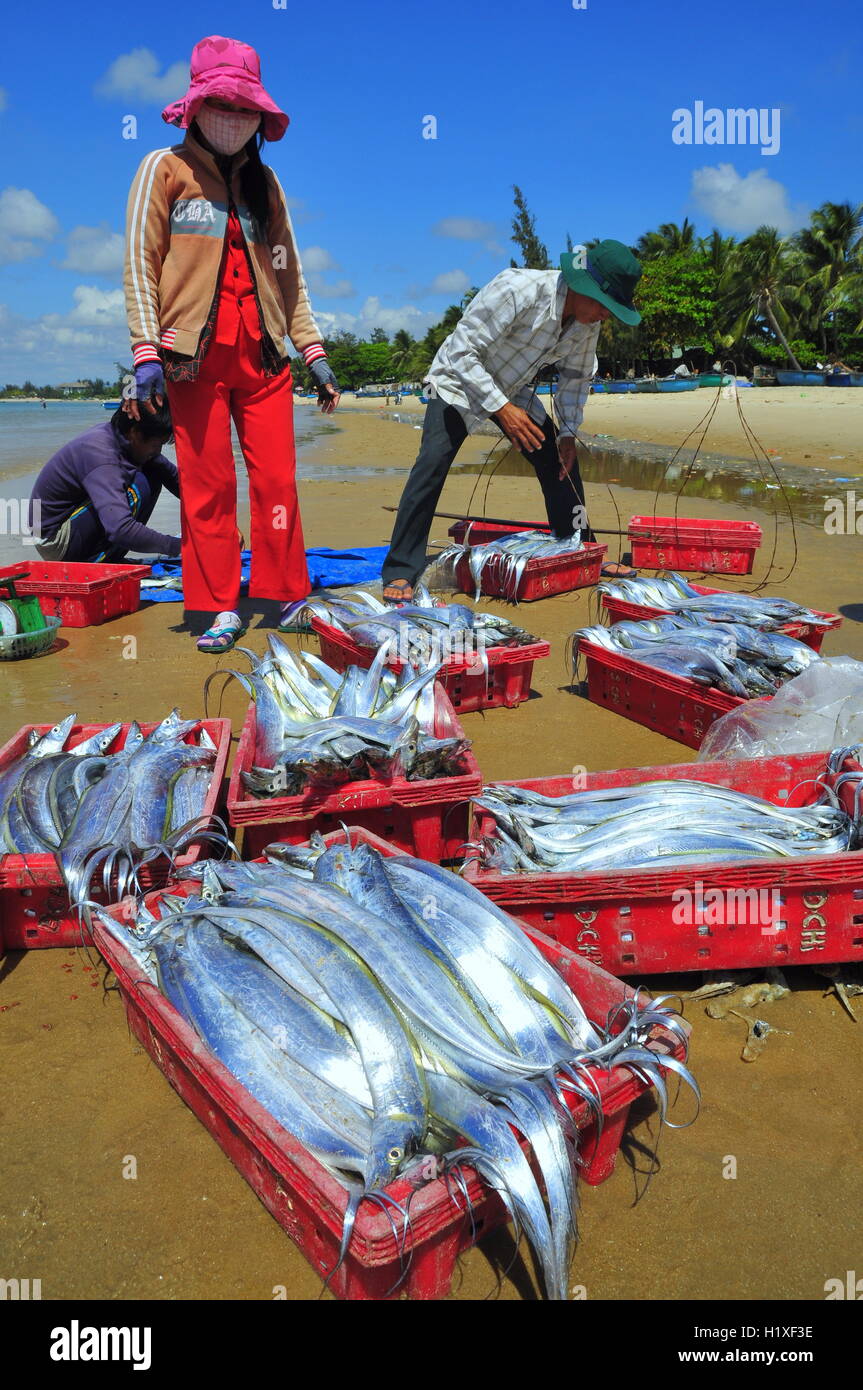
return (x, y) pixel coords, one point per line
(356, 1192)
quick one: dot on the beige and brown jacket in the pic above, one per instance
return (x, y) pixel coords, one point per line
(176, 222)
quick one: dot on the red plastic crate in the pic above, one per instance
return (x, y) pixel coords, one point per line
(307, 1202)
(428, 818)
(503, 680)
(34, 904)
(481, 531)
(619, 610)
(624, 921)
(79, 595)
(675, 706)
(558, 574)
(684, 543)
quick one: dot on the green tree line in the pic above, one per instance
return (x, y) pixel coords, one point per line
(95, 387)
(765, 299)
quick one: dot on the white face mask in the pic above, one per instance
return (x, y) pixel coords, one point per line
(226, 131)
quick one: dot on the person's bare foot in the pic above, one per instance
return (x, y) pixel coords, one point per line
(616, 571)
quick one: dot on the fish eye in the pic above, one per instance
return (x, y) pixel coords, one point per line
(395, 1156)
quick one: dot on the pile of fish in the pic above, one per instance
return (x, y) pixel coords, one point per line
(508, 557)
(414, 631)
(91, 808)
(672, 593)
(740, 660)
(382, 1009)
(319, 727)
(655, 824)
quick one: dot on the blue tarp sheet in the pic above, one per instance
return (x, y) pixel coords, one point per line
(328, 569)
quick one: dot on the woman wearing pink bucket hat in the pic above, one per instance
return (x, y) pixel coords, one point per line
(213, 286)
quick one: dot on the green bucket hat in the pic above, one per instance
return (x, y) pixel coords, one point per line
(610, 276)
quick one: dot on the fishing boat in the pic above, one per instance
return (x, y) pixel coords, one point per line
(675, 384)
(713, 379)
(616, 386)
(844, 379)
(646, 383)
(597, 386)
(788, 378)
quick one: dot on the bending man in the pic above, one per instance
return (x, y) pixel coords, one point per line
(521, 320)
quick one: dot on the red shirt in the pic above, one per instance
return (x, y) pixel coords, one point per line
(237, 291)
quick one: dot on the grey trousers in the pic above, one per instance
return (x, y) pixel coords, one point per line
(444, 432)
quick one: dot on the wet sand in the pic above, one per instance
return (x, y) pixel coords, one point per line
(818, 426)
(79, 1095)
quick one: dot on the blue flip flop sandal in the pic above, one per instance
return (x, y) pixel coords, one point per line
(403, 587)
(221, 637)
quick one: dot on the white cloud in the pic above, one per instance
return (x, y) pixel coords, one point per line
(469, 229)
(453, 282)
(372, 315)
(299, 211)
(135, 75)
(464, 228)
(94, 250)
(24, 221)
(85, 341)
(317, 258)
(741, 203)
(340, 289)
(97, 308)
(4, 99)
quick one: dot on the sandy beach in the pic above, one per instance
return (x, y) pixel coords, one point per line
(79, 1094)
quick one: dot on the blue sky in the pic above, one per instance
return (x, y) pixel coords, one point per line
(575, 105)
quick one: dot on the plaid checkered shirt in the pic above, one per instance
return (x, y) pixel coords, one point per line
(508, 331)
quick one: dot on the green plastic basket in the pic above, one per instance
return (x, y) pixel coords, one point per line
(27, 607)
(23, 644)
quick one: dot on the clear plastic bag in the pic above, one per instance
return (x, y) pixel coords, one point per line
(439, 575)
(822, 708)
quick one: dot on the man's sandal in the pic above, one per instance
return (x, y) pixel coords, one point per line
(398, 591)
(618, 571)
(223, 634)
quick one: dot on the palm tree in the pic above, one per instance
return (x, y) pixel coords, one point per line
(717, 248)
(761, 281)
(669, 239)
(402, 347)
(830, 252)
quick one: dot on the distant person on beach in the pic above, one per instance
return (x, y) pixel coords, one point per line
(836, 367)
(94, 497)
(213, 287)
(484, 371)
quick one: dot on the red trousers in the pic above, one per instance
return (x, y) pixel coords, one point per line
(230, 386)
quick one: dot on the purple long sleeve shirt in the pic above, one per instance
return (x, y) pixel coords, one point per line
(95, 467)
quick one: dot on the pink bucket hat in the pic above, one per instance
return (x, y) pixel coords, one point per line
(231, 70)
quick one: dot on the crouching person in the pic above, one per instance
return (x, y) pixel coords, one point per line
(93, 499)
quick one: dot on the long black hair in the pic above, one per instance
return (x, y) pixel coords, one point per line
(253, 182)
